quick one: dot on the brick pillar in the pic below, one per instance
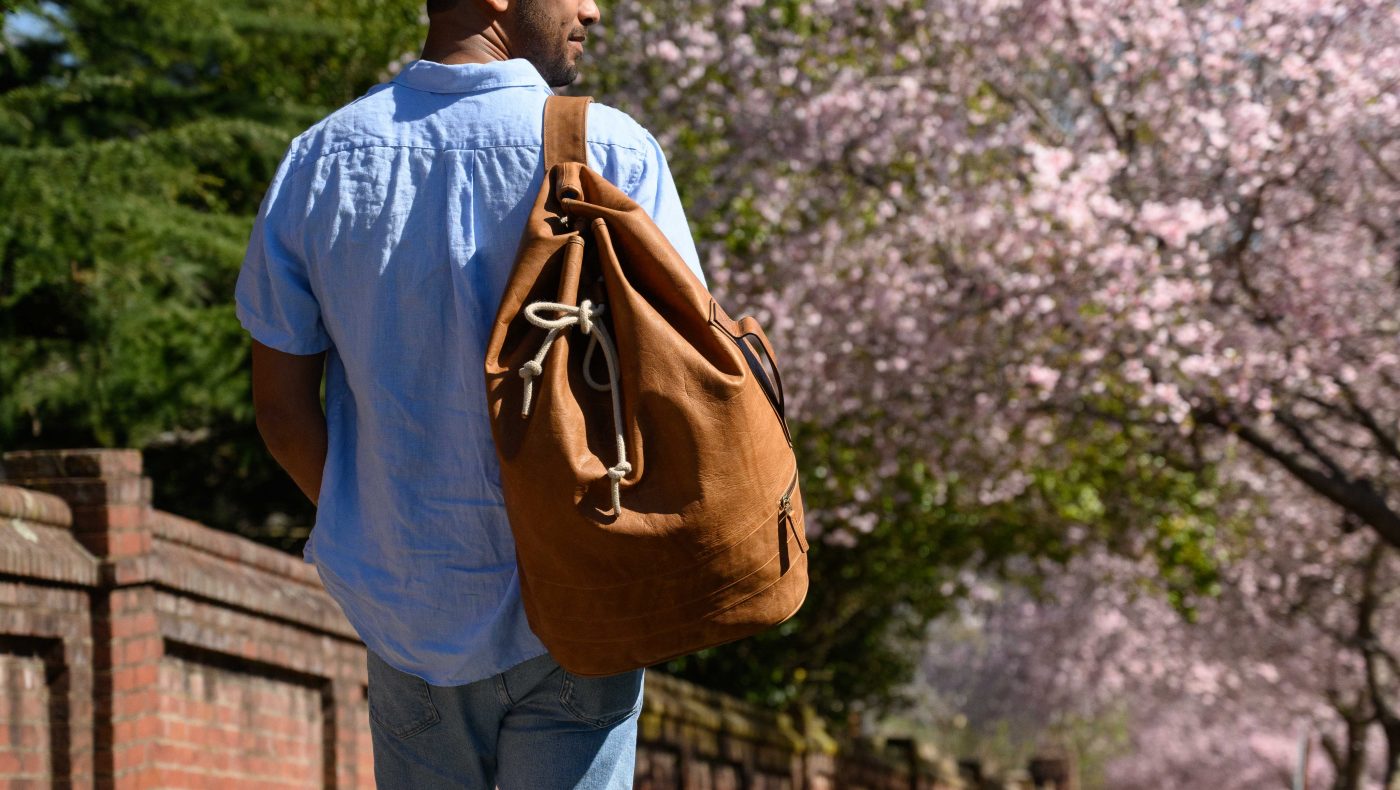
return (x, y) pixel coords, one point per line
(349, 760)
(908, 752)
(971, 771)
(1051, 773)
(818, 758)
(111, 502)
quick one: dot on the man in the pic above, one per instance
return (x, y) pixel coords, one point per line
(382, 249)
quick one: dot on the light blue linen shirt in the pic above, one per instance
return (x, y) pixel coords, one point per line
(386, 239)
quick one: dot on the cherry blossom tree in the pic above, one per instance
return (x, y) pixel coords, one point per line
(1300, 642)
(980, 229)
(957, 215)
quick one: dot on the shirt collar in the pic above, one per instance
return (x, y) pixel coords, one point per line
(434, 77)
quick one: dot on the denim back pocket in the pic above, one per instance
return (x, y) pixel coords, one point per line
(398, 702)
(602, 701)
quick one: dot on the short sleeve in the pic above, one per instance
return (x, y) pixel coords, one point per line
(273, 298)
(655, 191)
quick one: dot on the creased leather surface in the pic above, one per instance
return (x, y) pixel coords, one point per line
(704, 551)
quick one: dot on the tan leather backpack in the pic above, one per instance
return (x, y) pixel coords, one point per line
(652, 492)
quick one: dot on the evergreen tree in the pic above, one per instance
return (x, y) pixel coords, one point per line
(136, 140)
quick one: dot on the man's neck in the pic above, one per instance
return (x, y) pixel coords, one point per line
(461, 44)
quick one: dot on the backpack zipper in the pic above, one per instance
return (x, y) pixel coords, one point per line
(785, 512)
(785, 501)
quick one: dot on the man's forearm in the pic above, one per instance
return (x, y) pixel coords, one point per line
(298, 442)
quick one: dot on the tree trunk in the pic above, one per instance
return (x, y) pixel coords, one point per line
(1349, 758)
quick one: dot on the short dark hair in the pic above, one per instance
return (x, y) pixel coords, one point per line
(439, 6)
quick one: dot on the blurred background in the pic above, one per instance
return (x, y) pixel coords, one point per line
(1088, 313)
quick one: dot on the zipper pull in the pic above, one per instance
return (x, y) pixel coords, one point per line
(785, 504)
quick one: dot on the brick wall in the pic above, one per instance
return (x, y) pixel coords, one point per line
(25, 753)
(46, 670)
(222, 724)
(143, 650)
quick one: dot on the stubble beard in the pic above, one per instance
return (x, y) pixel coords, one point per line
(542, 46)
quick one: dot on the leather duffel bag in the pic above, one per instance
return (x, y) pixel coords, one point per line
(646, 465)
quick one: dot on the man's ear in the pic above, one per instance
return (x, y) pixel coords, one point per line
(498, 6)
(449, 6)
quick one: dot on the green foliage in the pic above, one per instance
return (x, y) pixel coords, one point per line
(859, 634)
(136, 141)
(1137, 496)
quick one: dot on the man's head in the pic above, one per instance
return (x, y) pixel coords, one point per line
(548, 33)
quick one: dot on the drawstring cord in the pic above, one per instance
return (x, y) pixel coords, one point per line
(581, 315)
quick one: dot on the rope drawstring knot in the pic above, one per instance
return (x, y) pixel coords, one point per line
(580, 315)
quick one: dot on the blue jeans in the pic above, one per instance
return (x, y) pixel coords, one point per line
(535, 726)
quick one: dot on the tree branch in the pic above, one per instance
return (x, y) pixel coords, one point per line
(1288, 421)
(1357, 495)
(1386, 440)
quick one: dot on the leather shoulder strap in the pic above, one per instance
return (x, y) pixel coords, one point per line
(565, 130)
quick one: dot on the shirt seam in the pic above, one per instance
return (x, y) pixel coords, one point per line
(358, 146)
(473, 89)
(636, 179)
(468, 91)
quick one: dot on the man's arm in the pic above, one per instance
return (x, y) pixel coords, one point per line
(287, 409)
(656, 193)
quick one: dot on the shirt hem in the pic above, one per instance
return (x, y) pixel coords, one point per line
(336, 589)
(277, 339)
